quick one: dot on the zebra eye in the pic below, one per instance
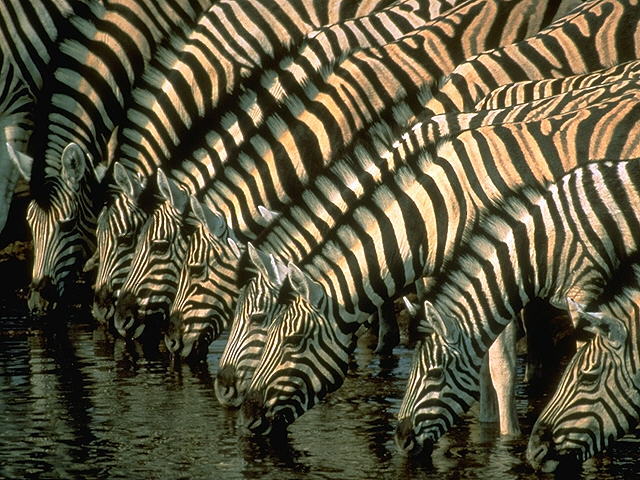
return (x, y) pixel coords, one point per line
(67, 224)
(589, 377)
(257, 318)
(197, 269)
(159, 246)
(293, 341)
(436, 373)
(126, 239)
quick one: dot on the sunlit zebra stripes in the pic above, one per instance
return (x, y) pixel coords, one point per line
(408, 228)
(303, 224)
(566, 242)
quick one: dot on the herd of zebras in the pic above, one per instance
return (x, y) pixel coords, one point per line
(285, 169)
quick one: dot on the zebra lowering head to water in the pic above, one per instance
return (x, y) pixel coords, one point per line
(406, 228)
(565, 242)
(598, 397)
(304, 223)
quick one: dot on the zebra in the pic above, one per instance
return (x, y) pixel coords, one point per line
(598, 396)
(333, 117)
(565, 241)
(145, 142)
(403, 230)
(83, 98)
(303, 224)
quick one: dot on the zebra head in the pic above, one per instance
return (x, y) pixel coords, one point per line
(119, 224)
(305, 357)
(441, 386)
(260, 277)
(151, 283)
(205, 295)
(62, 221)
(598, 397)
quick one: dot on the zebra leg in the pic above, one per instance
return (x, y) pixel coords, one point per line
(502, 365)
(388, 331)
(488, 410)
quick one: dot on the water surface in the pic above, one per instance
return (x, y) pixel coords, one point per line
(77, 403)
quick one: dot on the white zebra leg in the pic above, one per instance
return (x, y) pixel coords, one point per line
(502, 365)
(488, 409)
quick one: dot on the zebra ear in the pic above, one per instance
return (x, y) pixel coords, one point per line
(412, 308)
(303, 285)
(267, 265)
(170, 191)
(234, 247)
(124, 181)
(73, 165)
(598, 323)
(441, 324)
(266, 216)
(22, 161)
(215, 222)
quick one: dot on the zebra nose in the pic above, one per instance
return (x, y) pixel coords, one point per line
(225, 386)
(42, 297)
(252, 413)
(103, 305)
(540, 452)
(173, 343)
(125, 319)
(405, 437)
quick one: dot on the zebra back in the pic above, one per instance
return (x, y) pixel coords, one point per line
(408, 228)
(597, 34)
(566, 242)
(347, 185)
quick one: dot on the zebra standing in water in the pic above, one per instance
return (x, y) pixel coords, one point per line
(282, 158)
(82, 100)
(152, 136)
(408, 228)
(567, 241)
(303, 224)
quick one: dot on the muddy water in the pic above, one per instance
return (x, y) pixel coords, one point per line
(76, 403)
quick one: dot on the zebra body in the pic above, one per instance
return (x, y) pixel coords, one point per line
(302, 225)
(314, 134)
(408, 228)
(566, 241)
(598, 397)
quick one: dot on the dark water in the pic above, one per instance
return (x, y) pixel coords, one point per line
(75, 403)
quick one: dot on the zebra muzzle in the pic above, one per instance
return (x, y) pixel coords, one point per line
(541, 454)
(253, 414)
(226, 387)
(43, 297)
(406, 441)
